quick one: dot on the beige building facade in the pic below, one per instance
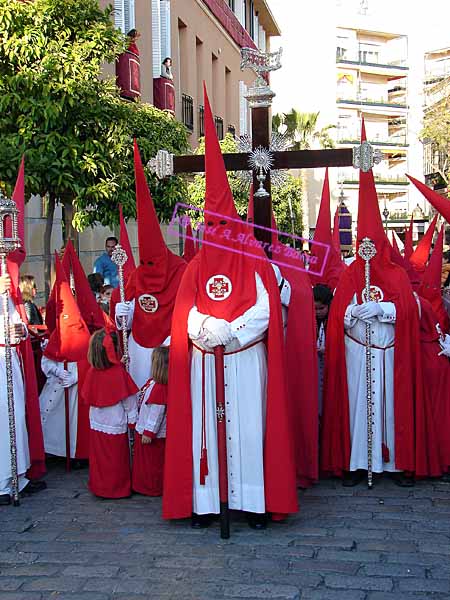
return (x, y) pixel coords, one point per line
(204, 39)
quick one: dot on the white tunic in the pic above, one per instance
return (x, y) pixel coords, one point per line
(114, 419)
(152, 417)
(245, 404)
(140, 364)
(53, 409)
(383, 336)
(23, 454)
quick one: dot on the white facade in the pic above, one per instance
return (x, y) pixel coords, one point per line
(350, 58)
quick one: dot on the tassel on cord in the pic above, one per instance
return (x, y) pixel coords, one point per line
(385, 453)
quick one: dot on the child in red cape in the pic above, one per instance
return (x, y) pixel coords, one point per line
(109, 391)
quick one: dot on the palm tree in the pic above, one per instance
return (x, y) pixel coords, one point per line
(301, 128)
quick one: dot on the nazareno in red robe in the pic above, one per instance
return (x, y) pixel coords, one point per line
(436, 379)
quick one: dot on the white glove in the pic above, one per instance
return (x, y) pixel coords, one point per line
(366, 311)
(123, 309)
(68, 379)
(445, 345)
(217, 332)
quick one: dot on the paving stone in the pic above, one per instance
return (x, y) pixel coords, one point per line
(32, 570)
(359, 583)
(10, 583)
(20, 595)
(324, 566)
(355, 556)
(424, 585)
(391, 570)
(324, 594)
(90, 571)
(54, 584)
(284, 592)
(17, 557)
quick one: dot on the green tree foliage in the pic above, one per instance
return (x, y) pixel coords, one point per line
(69, 121)
(302, 129)
(291, 191)
(437, 126)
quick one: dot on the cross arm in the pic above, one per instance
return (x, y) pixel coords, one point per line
(195, 163)
(308, 159)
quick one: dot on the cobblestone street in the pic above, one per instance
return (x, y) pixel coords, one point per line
(390, 543)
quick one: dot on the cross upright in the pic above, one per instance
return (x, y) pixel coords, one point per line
(260, 99)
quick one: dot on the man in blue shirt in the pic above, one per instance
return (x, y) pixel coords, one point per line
(105, 265)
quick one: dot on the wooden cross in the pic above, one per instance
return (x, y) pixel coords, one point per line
(166, 164)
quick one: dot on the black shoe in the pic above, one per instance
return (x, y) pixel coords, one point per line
(5, 500)
(33, 487)
(201, 521)
(403, 480)
(352, 478)
(257, 520)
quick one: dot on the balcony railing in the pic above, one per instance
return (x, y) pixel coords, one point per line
(380, 180)
(218, 122)
(346, 138)
(226, 17)
(359, 58)
(187, 111)
(372, 101)
(201, 121)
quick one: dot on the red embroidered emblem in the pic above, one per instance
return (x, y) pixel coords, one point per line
(376, 294)
(148, 303)
(218, 287)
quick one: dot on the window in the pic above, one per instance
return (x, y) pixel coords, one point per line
(231, 4)
(201, 121)
(218, 122)
(187, 111)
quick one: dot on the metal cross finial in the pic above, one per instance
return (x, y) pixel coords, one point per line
(365, 157)
(161, 164)
(260, 94)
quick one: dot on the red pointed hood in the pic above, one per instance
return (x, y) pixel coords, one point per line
(409, 248)
(327, 256)
(430, 288)
(442, 205)
(152, 247)
(130, 265)
(224, 255)
(16, 258)
(70, 339)
(419, 257)
(154, 283)
(336, 234)
(190, 249)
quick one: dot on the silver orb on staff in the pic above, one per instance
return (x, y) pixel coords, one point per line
(9, 241)
(119, 258)
(367, 251)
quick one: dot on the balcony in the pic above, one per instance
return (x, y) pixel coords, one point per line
(380, 179)
(370, 59)
(187, 111)
(391, 141)
(379, 102)
(230, 23)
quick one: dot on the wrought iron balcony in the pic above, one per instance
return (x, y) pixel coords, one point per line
(372, 101)
(218, 122)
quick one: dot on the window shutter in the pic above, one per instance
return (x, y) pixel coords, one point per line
(165, 29)
(239, 11)
(243, 109)
(156, 38)
(255, 28)
(129, 15)
(119, 15)
(262, 39)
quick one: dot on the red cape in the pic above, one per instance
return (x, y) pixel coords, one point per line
(279, 466)
(107, 387)
(436, 378)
